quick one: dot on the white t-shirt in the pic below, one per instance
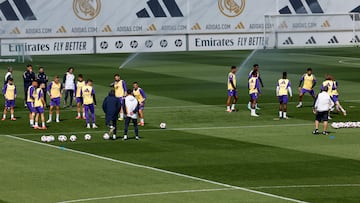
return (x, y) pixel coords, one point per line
(69, 81)
(323, 102)
(131, 104)
(7, 75)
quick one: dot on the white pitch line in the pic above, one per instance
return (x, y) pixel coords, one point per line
(145, 194)
(162, 171)
(304, 186)
(180, 129)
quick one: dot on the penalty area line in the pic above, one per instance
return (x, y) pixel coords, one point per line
(162, 171)
(146, 194)
(304, 186)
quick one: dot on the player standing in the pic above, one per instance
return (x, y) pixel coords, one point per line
(88, 95)
(55, 90)
(39, 105)
(9, 92)
(30, 93)
(120, 93)
(131, 111)
(111, 107)
(43, 78)
(140, 95)
(79, 100)
(283, 88)
(322, 105)
(255, 69)
(29, 77)
(254, 91)
(309, 80)
(69, 85)
(232, 92)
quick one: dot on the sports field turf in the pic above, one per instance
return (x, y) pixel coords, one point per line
(205, 154)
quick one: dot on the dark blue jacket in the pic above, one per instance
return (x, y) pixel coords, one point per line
(42, 78)
(111, 106)
(28, 78)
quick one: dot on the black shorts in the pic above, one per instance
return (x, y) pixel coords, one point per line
(322, 116)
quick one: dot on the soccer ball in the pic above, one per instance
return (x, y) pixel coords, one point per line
(163, 125)
(43, 138)
(106, 136)
(62, 138)
(50, 138)
(73, 138)
(87, 137)
(335, 125)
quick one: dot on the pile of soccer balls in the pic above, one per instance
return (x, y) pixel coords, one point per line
(63, 138)
(338, 125)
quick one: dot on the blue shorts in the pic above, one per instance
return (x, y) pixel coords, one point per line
(232, 93)
(9, 103)
(30, 106)
(311, 92)
(39, 109)
(55, 101)
(79, 100)
(254, 96)
(283, 99)
(335, 98)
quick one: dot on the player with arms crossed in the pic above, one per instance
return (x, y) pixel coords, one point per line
(79, 100)
(55, 90)
(309, 80)
(254, 91)
(39, 106)
(9, 92)
(120, 93)
(140, 95)
(88, 94)
(232, 92)
(30, 101)
(131, 112)
(283, 88)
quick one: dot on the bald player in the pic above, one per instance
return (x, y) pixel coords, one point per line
(309, 81)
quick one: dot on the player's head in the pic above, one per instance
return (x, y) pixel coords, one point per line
(57, 79)
(325, 89)
(309, 71)
(284, 75)
(34, 83)
(256, 67)
(135, 85)
(117, 77)
(10, 69)
(11, 81)
(89, 82)
(129, 92)
(254, 73)
(233, 69)
(41, 69)
(29, 67)
(71, 69)
(112, 92)
(42, 85)
(328, 77)
(80, 77)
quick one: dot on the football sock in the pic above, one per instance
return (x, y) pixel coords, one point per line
(12, 115)
(284, 114)
(57, 117)
(50, 117)
(142, 120)
(280, 114)
(233, 107)
(228, 108)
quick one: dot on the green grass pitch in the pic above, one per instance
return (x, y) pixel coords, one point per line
(205, 154)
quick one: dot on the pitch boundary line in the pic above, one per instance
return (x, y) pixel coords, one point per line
(161, 170)
(178, 129)
(145, 194)
(303, 186)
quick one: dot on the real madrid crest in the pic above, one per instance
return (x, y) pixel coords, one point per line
(231, 8)
(86, 9)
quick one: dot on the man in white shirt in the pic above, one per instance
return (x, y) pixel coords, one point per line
(69, 86)
(131, 114)
(322, 105)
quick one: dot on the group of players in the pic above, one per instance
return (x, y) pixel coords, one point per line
(283, 90)
(36, 88)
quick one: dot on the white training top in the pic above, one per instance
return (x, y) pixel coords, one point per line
(7, 75)
(130, 104)
(69, 81)
(323, 102)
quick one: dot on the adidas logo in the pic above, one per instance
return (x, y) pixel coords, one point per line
(288, 41)
(158, 11)
(61, 30)
(333, 40)
(196, 27)
(297, 6)
(15, 31)
(326, 24)
(152, 27)
(107, 28)
(22, 7)
(240, 26)
(283, 25)
(311, 40)
(355, 40)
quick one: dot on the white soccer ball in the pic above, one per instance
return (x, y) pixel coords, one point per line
(106, 136)
(73, 138)
(335, 125)
(43, 138)
(87, 137)
(62, 138)
(163, 125)
(51, 138)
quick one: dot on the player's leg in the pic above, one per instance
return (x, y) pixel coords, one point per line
(52, 104)
(12, 117)
(302, 91)
(5, 111)
(86, 108)
(126, 127)
(318, 118)
(122, 107)
(57, 104)
(36, 126)
(71, 92)
(234, 102)
(335, 99)
(92, 111)
(228, 102)
(78, 108)
(136, 129)
(285, 101)
(25, 96)
(114, 125)
(253, 105)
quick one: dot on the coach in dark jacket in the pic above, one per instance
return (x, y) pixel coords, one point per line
(111, 107)
(29, 77)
